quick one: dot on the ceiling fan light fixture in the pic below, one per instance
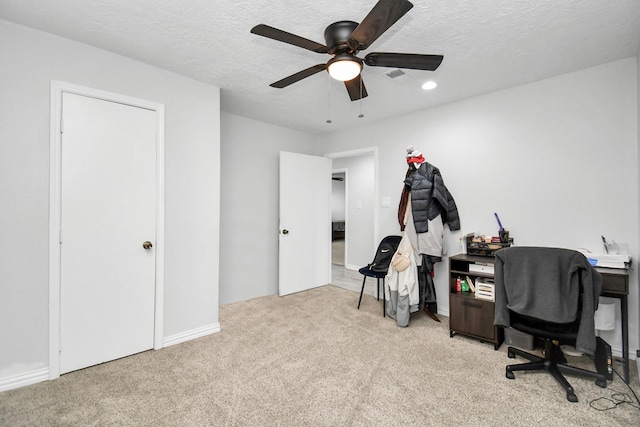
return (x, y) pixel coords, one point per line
(344, 67)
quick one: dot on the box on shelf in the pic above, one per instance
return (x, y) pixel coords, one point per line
(481, 268)
(516, 338)
(485, 289)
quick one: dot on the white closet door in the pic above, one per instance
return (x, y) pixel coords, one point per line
(108, 208)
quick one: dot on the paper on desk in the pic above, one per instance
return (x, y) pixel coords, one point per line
(607, 260)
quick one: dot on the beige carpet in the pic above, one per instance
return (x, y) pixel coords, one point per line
(312, 359)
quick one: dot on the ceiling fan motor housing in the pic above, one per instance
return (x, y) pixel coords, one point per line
(337, 36)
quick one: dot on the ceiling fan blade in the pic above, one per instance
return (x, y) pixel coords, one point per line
(356, 88)
(299, 76)
(283, 36)
(404, 60)
(383, 15)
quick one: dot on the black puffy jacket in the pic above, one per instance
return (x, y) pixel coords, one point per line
(430, 198)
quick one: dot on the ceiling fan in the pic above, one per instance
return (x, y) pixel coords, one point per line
(344, 39)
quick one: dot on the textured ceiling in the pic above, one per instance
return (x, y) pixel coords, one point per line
(487, 45)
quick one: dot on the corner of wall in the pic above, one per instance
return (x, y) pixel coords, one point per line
(638, 160)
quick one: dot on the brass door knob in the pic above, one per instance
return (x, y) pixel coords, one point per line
(147, 245)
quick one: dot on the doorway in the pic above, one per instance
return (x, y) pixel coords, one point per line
(338, 216)
(106, 227)
(354, 214)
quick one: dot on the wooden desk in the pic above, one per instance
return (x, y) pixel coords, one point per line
(477, 320)
(615, 284)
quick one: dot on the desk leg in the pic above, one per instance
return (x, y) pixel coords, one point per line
(625, 337)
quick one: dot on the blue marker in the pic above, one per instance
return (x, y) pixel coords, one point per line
(498, 219)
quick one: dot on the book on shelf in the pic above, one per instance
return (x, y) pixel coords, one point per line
(472, 288)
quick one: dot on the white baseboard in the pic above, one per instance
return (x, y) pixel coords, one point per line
(42, 374)
(192, 334)
(24, 379)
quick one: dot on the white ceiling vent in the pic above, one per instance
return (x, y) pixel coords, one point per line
(395, 74)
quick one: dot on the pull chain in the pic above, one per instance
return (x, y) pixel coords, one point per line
(361, 84)
(329, 101)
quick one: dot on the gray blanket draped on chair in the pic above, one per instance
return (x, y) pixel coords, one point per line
(544, 283)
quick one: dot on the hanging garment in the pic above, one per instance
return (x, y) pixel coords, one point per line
(402, 293)
(426, 245)
(430, 198)
(428, 300)
(425, 206)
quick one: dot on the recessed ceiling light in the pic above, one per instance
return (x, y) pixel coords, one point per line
(429, 85)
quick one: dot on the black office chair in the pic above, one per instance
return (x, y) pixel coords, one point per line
(550, 293)
(379, 266)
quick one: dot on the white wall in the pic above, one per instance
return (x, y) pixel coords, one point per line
(30, 61)
(360, 188)
(249, 198)
(557, 159)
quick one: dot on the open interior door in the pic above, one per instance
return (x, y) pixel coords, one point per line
(305, 222)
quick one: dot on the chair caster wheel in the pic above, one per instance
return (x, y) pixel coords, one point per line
(601, 383)
(511, 355)
(509, 374)
(571, 397)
